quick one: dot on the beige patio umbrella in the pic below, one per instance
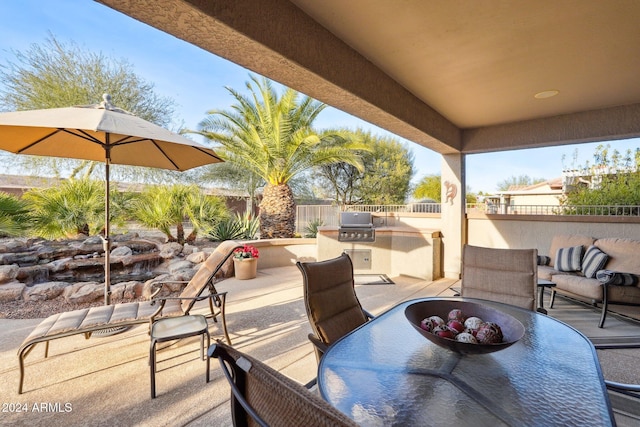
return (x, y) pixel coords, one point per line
(102, 133)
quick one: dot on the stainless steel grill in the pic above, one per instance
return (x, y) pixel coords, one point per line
(356, 227)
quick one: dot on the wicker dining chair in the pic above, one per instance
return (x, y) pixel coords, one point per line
(331, 302)
(263, 396)
(502, 275)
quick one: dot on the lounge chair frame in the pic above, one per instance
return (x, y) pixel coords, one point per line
(89, 320)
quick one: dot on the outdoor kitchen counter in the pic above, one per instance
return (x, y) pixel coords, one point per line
(397, 250)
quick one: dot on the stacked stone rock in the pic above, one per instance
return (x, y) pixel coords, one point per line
(39, 270)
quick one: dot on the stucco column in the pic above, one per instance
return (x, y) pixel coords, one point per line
(453, 213)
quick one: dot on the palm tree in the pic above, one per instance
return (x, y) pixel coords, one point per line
(75, 207)
(273, 138)
(14, 216)
(164, 207)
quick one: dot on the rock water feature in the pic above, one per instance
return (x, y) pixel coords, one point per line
(39, 270)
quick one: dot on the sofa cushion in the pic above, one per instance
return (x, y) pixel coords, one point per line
(569, 259)
(593, 261)
(568, 240)
(623, 254)
(545, 272)
(582, 286)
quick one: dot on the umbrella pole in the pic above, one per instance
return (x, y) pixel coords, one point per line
(106, 242)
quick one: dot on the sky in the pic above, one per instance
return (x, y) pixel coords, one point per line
(196, 79)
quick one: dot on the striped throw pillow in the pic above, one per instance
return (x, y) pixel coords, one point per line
(608, 277)
(593, 261)
(543, 260)
(569, 259)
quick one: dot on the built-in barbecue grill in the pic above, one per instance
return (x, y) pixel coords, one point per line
(356, 227)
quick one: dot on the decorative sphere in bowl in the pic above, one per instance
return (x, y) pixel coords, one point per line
(512, 329)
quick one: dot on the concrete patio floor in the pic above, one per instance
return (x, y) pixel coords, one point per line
(105, 380)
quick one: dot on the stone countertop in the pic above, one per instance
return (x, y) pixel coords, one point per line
(391, 229)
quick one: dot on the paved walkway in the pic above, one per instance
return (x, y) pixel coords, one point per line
(105, 381)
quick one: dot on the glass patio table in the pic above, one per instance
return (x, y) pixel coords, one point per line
(386, 373)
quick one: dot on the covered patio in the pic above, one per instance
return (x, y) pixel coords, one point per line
(456, 77)
(105, 381)
(459, 78)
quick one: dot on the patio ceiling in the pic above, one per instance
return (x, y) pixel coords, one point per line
(454, 76)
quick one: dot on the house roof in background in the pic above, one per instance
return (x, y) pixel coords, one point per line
(20, 183)
(545, 187)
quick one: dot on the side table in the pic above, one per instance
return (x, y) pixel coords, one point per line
(542, 283)
(175, 328)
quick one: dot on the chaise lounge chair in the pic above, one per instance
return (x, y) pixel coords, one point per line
(89, 320)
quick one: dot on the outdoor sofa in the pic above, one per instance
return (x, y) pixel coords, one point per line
(600, 270)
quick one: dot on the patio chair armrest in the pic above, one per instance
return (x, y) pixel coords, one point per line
(319, 344)
(156, 313)
(199, 298)
(221, 297)
(632, 390)
(171, 281)
(154, 294)
(231, 370)
(157, 286)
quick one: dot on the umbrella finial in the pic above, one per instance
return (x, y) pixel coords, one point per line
(107, 105)
(106, 101)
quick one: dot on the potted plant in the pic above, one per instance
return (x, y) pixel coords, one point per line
(245, 262)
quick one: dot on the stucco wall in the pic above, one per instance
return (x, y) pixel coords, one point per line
(537, 232)
(409, 256)
(525, 231)
(284, 252)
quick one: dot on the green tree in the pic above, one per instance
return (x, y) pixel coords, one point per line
(338, 181)
(231, 176)
(613, 179)
(14, 216)
(272, 137)
(522, 180)
(204, 212)
(388, 171)
(385, 179)
(54, 74)
(470, 196)
(429, 187)
(164, 207)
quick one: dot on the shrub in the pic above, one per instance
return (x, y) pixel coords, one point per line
(14, 216)
(311, 229)
(240, 227)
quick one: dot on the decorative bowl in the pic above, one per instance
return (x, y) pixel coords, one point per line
(512, 329)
